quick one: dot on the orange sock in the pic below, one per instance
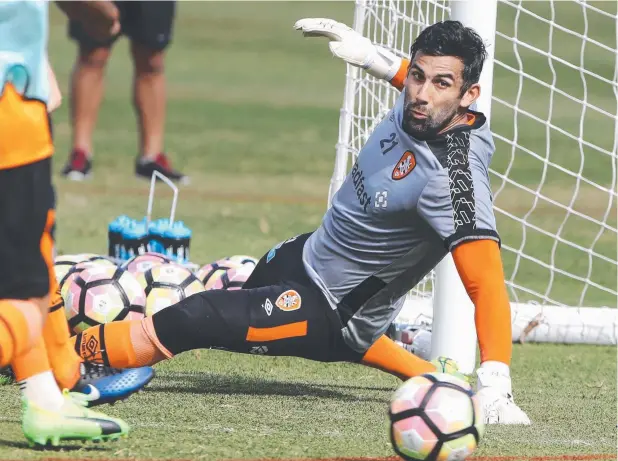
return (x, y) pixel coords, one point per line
(20, 326)
(64, 360)
(31, 363)
(388, 356)
(90, 345)
(125, 344)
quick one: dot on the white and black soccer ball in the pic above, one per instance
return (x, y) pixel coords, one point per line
(64, 271)
(99, 294)
(243, 260)
(435, 417)
(233, 279)
(210, 274)
(63, 264)
(141, 263)
(166, 285)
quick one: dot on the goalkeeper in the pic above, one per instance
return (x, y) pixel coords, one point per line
(419, 189)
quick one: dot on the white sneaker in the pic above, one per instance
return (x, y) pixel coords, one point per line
(496, 397)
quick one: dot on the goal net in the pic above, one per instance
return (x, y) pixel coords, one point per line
(554, 107)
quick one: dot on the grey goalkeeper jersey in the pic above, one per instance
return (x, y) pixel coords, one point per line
(403, 206)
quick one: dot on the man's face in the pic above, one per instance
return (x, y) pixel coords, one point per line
(433, 94)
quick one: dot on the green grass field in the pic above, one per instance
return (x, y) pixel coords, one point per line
(253, 117)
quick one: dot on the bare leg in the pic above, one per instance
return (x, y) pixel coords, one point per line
(149, 98)
(87, 87)
(86, 95)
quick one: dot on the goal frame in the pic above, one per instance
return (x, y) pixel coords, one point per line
(452, 312)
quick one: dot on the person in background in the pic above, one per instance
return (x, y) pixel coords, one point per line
(148, 25)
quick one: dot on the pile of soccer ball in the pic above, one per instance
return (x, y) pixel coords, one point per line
(97, 291)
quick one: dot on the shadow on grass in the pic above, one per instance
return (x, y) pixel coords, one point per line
(86, 447)
(363, 388)
(205, 383)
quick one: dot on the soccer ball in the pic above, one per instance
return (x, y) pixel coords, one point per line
(99, 294)
(65, 267)
(211, 273)
(243, 259)
(435, 417)
(167, 284)
(85, 265)
(233, 279)
(63, 264)
(141, 263)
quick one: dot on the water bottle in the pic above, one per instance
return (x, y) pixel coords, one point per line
(114, 236)
(177, 240)
(135, 239)
(156, 232)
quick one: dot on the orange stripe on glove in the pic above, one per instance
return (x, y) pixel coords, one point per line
(400, 76)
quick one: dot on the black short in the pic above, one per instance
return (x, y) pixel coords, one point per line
(26, 200)
(279, 311)
(148, 23)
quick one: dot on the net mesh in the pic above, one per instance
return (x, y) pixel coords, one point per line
(555, 125)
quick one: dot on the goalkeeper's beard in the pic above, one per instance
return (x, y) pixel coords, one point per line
(430, 126)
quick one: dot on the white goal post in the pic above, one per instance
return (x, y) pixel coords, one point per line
(550, 91)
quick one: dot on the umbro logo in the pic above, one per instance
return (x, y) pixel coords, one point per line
(268, 307)
(91, 345)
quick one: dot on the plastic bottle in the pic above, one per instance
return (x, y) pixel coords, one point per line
(114, 236)
(156, 232)
(135, 239)
(177, 240)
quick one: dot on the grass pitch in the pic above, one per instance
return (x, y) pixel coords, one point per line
(215, 405)
(253, 116)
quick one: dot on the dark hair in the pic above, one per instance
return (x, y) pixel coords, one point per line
(451, 38)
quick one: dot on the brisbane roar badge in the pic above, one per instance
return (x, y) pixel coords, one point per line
(288, 301)
(404, 166)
